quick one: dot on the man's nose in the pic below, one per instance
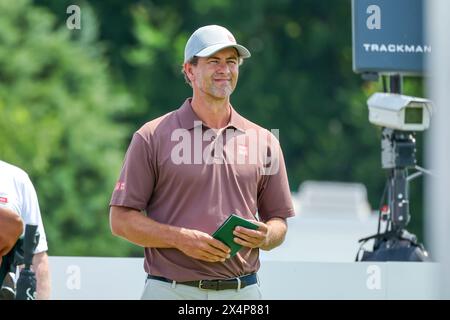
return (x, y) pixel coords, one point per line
(223, 67)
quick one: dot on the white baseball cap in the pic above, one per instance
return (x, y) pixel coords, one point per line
(207, 40)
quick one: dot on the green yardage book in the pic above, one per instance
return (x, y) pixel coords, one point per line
(225, 232)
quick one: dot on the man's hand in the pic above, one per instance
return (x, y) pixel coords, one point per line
(268, 235)
(202, 246)
(252, 238)
(132, 225)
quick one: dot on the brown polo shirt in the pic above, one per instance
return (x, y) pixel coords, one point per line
(184, 174)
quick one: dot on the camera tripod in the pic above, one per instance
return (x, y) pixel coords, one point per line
(398, 155)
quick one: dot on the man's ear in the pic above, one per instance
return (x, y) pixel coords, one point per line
(188, 70)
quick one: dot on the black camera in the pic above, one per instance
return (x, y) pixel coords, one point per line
(21, 254)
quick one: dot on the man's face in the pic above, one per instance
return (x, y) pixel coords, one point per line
(216, 75)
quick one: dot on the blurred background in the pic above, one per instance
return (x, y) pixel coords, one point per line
(71, 99)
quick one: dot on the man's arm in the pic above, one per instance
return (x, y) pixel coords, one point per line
(133, 226)
(11, 227)
(41, 269)
(268, 236)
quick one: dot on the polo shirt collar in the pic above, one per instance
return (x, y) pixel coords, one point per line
(187, 117)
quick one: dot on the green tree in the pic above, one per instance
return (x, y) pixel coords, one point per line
(58, 107)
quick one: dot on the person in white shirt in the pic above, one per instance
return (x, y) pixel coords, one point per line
(17, 193)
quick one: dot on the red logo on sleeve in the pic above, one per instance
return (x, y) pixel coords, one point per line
(119, 186)
(3, 199)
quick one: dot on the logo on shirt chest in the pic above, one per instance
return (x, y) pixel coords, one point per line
(242, 150)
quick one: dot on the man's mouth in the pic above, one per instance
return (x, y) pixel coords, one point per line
(222, 80)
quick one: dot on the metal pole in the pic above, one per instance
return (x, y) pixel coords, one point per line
(438, 137)
(395, 83)
(398, 184)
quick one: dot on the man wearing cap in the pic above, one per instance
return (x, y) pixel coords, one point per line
(189, 170)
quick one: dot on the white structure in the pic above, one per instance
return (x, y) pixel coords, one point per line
(336, 200)
(331, 218)
(88, 278)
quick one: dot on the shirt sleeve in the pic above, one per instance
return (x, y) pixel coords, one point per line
(31, 213)
(137, 178)
(274, 195)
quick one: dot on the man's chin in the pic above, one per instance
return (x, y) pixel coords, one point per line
(222, 94)
(221, 97)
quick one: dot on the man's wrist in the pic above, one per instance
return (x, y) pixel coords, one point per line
(177, 238)
(266, 244)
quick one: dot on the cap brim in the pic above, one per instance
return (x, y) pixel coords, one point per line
(243, 52)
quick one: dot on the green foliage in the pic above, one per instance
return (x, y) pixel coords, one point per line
(58, 105)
